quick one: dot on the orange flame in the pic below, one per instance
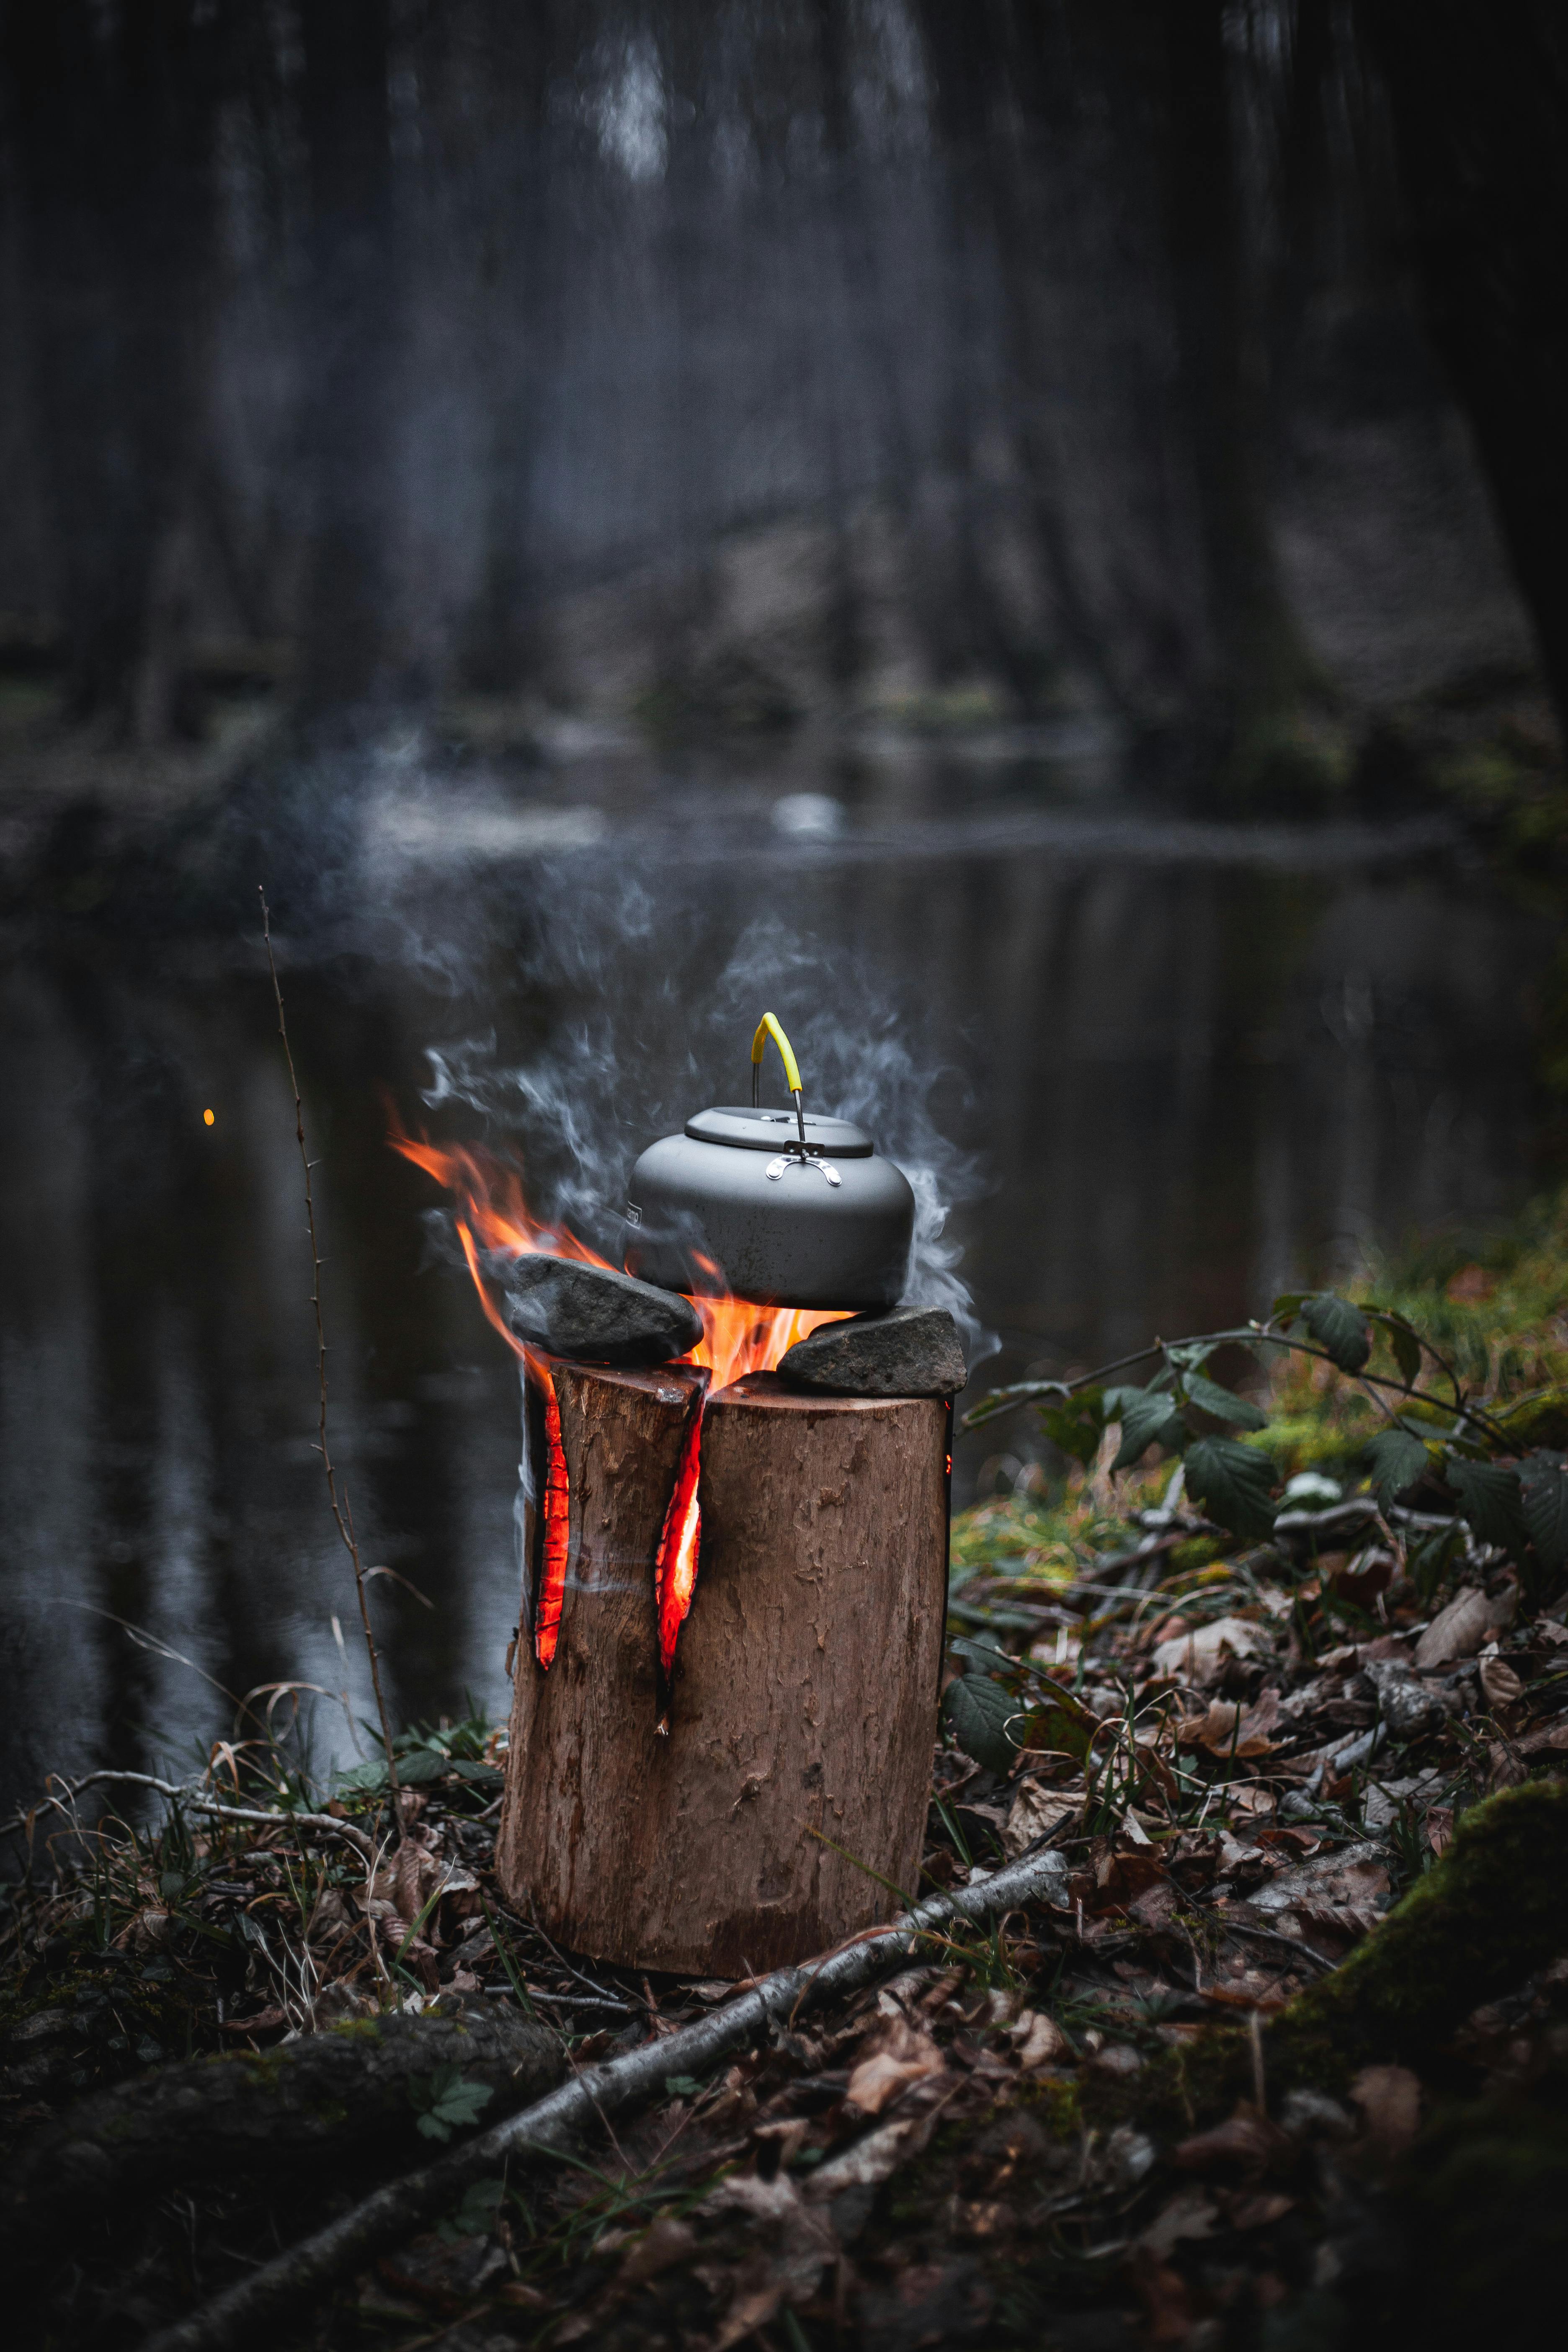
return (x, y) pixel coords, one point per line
(738, 1338)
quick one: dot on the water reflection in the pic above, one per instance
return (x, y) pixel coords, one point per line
(1189, 1062)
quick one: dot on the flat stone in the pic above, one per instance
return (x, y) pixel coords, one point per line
(911, 1351)
(567, 1309)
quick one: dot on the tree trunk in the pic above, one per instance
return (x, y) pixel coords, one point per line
(1480, 122)
(351, 352)
(789, 1790)
(113, 114)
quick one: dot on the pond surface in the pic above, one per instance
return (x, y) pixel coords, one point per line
(1155, 1068)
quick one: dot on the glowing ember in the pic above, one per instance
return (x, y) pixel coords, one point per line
(678, 1545)
(555, 1505)
(738, 1338)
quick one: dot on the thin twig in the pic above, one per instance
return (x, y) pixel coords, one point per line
(254, 2306)
(198, 1804)
(998, 1402)
(343, 1516)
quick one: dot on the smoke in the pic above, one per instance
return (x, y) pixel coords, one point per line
(645, 1004)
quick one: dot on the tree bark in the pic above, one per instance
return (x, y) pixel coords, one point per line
(572, 1849)
(790, 1790)
(114, 113)
(351, 334)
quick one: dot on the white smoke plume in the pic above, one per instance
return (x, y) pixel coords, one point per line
(659, 1026)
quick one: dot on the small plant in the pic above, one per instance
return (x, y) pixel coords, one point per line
(447, 2103)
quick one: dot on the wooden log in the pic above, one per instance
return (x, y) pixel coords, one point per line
(805, 1690)
(571, 1847)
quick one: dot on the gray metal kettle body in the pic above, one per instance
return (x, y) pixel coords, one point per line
(772, 1205)
(735, 1204)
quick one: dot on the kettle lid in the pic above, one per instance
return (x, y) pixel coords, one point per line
(748, 1129)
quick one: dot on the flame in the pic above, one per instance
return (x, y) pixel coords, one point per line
(738, 1338)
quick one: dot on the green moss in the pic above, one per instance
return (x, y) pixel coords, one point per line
(1494, 1909)
(1058, 2105)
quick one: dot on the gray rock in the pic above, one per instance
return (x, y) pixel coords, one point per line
(913, 1352)
(587, 1311)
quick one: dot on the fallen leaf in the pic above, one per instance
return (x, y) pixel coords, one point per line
(1500, 1682)
(1036, 1812)
(875, 2159)
(1228, 1729)
(878, 2081)
(1038, 2039)
(1199, 1656)
(892, 2056)
(1245, 2142)
(798, 2244)
(1390, 2099)
(661, 2246)
(1550, 1737)
(1190, 2213)
(1469, 1620)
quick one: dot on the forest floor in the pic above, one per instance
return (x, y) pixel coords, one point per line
(1131, 2115)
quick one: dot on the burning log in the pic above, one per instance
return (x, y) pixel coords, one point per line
(730, 1794)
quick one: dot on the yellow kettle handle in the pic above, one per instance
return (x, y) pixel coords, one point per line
(768, 1026)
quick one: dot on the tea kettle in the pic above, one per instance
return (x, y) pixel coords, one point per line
(776, 1206)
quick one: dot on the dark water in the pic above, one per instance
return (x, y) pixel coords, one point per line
(1172, 1065)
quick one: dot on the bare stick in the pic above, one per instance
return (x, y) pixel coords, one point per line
(257, 2305)
(325, 1823)
(341, 1516)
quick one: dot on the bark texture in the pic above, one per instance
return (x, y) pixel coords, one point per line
(572, 1848)
(331, 2100)
(804, 1687)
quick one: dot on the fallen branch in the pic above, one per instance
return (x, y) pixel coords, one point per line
(325, 1823)
(303, 2273)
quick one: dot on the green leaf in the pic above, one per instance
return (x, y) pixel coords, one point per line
(1405, 1344)
(1078, 1425)
(978, 1713)
(447, 2102)
(1234, 1483)
(1209, 1397)
(1543, 1484)
(989, 1656)
(1490, 1500)
(1338, 1328)
(1188, 1355)
(1287, 1305)
(1397, 1461)
(1148, 1418)
(681, 2087)
(414, 1770)
(482, 2201)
